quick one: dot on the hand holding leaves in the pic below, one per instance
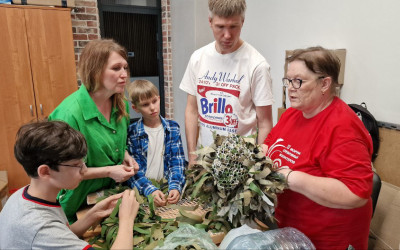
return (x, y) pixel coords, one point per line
(173, 196)
(121, 173)
(104, 208)
(159, 198)
(129, 206)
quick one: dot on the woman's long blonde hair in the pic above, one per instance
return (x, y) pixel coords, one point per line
(92, 63)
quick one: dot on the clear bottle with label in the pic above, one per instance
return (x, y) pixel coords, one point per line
(282, 238)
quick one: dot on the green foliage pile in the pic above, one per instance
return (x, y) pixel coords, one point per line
(233, 181)
(150, 230)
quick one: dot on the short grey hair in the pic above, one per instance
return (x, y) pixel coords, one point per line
(319, 61)
(226, 8)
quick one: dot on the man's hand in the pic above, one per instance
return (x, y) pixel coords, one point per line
(192, 158)
(159, 198)
(173, 196)
(191, 126)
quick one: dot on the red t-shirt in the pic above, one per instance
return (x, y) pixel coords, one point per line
(335, 144)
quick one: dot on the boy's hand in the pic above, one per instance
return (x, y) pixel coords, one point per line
(173, 196)
(93, 217)
(121, 173)
(159, 199)
(129, 206)
(104, 208)
(130, 162)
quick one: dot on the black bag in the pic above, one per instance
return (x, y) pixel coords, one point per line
(370, 124)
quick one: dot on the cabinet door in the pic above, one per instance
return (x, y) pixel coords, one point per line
(51, 49)
(17, 103)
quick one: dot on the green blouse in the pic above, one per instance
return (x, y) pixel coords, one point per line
(106, 144)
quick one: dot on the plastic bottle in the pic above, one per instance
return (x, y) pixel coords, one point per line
(282, 238)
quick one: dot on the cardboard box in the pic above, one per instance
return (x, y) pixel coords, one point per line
(58, 3)
(340, 53)
(280, 112)
(3, 188)
(385, 229)
(387, 163)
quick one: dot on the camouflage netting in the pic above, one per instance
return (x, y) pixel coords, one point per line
(234, 177)
(227, 167)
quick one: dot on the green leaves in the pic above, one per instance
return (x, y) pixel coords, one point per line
(149, 230)
(116, 209)
(199, 184)
(233, 181)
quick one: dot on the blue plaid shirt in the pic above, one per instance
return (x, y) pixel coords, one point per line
(174, 158)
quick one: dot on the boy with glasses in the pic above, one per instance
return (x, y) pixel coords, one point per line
(52, 155)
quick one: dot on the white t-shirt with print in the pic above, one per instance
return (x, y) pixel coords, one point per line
(228, 87)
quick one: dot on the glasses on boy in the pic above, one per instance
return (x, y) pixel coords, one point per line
(74, 165)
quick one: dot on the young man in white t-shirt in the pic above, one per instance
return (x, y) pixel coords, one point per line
(228, 82)
(155, 143)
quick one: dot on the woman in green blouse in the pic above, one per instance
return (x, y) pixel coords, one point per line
(99, 111)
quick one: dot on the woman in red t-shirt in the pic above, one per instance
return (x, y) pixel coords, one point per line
(324, 151)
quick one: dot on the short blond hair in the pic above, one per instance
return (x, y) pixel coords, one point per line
(226, 8)
(139, 90)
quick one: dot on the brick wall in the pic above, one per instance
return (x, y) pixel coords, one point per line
(86, 27)
(85, 24)
(167, 55)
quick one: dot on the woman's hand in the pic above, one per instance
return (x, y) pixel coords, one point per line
(264, 148)
(159, 198)
(120, 173)
(173, 196)
(284, 171)
(130, 162)
(325, 191)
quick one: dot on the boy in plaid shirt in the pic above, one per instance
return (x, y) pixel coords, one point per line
(156, 145)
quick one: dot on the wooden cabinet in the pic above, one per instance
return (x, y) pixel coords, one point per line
(37, 71)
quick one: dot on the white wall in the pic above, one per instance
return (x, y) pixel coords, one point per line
(368, 29)
(190, 31)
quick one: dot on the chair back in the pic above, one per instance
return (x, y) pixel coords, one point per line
(376, 188)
